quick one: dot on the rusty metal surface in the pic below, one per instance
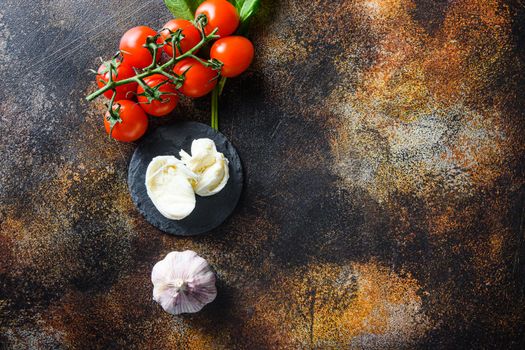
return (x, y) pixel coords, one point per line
(383, 207)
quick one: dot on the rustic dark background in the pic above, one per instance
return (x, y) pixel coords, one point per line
(383, 144)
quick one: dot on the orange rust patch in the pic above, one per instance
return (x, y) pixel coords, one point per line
(418, 99)
(331, 305)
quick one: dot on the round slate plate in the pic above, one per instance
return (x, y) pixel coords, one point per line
(210, 211)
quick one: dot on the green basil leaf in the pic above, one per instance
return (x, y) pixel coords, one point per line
(183, 8)
(246, 8)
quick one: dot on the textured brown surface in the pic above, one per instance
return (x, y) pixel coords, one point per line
(383, 147)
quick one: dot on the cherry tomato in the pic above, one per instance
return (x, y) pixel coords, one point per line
(134, 122)
(221, 14)
(236, 54)
(123, 72)
(155, 107)
(199, 80)
(133, 53)
(192, 36)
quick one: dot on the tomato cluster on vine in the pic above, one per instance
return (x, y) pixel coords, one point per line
(137, 81)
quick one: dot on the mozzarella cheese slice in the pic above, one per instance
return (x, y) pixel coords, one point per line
(169, 185)
(213, 178)
(210, 166)
(202, 155)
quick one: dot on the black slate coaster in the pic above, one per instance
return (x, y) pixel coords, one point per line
(210, 211)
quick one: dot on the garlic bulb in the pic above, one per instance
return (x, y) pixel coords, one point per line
(169, 187)
(210, 166)
(183, 282)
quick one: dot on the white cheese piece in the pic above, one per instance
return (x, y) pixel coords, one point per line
(210, 166)
(213, 178)
(169, 185)
(202, 155)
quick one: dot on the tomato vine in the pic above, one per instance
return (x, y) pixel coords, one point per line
(155, 68)
(130, 71)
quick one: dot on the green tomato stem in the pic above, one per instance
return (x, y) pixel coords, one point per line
(221, 84)
(204, 63)
(217, 91)
(215, 108)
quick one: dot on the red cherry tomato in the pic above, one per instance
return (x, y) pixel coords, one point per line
(134, 122)
(199, 79)
(221, 14)
(123, 72)
(236, 54)
(131, 45)
(155, 107)
(192, 36)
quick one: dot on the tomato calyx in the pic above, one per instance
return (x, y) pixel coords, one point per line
(215, 64)
(201, 21)
(113, 115)
(153, 45)
(110, 66)
(174, 38)
(153, 93)
(211, 63)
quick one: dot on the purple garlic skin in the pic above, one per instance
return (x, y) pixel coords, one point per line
(183, 282)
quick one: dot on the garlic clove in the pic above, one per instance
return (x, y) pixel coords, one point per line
(169, 187)
(183, 282)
